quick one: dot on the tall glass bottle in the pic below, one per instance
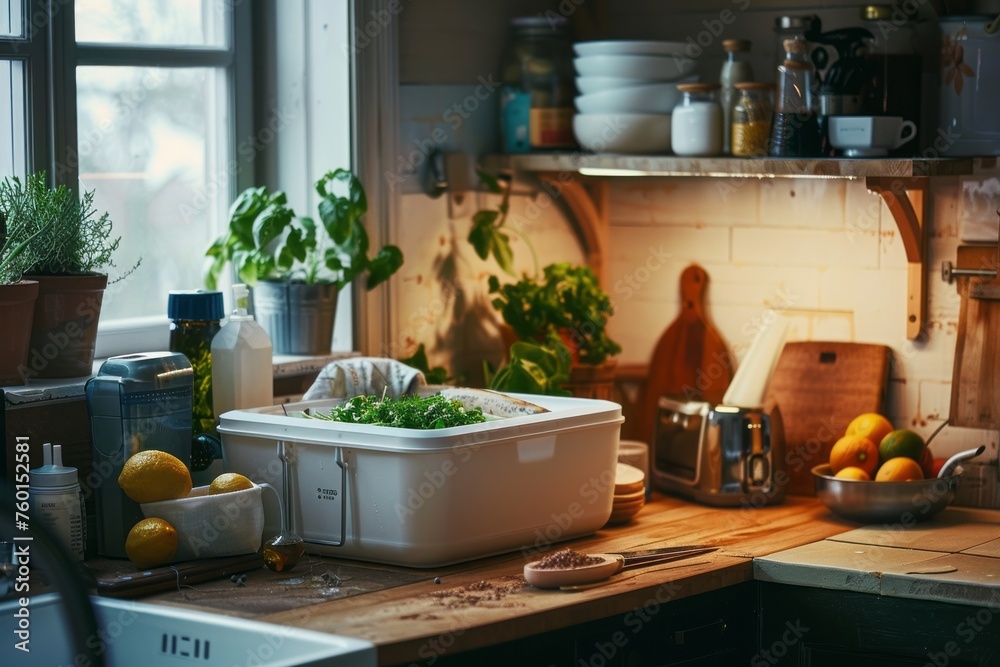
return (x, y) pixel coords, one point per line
(536, 92)
(795, 127)
(735, 69)
(196, 317)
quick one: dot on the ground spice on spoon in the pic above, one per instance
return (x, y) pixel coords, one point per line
(565, 559)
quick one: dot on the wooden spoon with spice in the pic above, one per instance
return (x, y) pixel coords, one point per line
(567, 567)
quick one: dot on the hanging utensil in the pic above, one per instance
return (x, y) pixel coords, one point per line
(285, 549)
(950, 464)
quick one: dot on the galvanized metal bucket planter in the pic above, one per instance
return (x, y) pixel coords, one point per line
(298, 317)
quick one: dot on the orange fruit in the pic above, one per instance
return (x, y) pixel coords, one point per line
(899, 469)
(852, 472)
(854, 451)
(901, 442)
(871, 425)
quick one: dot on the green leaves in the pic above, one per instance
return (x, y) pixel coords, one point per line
(436, 375)
(487, 236)
(267, 241)
(51, 231)
(535, 369)
(568, 302)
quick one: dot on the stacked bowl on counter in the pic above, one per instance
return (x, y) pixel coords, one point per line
(627, 90)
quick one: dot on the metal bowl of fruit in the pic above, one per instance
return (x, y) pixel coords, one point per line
(901, 503)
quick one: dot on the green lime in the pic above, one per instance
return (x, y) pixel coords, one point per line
(901, 442)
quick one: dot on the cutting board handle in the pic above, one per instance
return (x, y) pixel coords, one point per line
(693, 282)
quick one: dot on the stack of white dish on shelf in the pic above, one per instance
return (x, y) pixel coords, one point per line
(627, 91)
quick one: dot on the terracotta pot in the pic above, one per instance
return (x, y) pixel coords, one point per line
(64, 329)
(586, 381)
(17, 304)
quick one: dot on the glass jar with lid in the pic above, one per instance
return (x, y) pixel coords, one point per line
(735, 69)
(536, 92)
(696, 121)
(751, 127)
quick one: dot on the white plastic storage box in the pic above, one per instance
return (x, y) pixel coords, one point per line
(435, 497)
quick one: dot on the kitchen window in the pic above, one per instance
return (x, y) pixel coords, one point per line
(147, 102)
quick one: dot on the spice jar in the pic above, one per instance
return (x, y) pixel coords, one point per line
(751, 128)
(735, 69)
(696, 121)
(195, 319)
(536, 92)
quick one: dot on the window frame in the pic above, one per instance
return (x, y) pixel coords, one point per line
(51, 55)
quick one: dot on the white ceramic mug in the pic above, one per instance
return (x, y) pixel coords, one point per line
(884, 132)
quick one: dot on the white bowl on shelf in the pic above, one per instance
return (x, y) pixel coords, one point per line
(598, 84)
(623, 132)
(652, 98)
(628, 47)
(659, 68)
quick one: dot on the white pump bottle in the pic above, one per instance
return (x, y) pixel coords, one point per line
(242, 375)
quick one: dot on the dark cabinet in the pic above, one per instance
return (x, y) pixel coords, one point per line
(711, 629)
(816, 627)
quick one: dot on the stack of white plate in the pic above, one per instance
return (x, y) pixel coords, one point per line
(630, 493)
(627, 91)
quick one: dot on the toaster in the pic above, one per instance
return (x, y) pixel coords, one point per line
(718, 454)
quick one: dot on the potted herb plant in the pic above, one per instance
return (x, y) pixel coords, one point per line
(296, 266)
(70, 247)
(17, 300)
(556, 322)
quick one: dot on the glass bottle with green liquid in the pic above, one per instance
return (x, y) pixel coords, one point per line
(196, 317)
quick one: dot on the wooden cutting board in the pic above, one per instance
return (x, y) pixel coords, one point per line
(819, 388)
(690, 360)
(975, 384)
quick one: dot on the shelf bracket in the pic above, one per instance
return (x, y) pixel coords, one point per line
(588, 204)
(907, 201)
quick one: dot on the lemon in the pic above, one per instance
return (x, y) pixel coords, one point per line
(229, 481)
(151, 542)
(151, 475)
(901, 443)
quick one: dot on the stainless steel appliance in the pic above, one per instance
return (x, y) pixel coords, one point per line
(719, 454)
(136, 402)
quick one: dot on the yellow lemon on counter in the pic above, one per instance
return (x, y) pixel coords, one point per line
(151, 542)
(229, 481)
(870, 425)
(151, 476)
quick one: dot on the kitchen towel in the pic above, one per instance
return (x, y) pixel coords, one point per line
(360, 376)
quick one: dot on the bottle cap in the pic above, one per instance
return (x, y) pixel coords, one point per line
(53, 472)
(195, 305)
(730, 45)
(241, 303)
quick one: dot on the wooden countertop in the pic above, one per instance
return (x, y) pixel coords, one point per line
(486, 602)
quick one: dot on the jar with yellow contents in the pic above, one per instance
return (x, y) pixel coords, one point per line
(751, 128)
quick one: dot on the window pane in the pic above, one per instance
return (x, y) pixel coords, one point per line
(165, 22)
(154, 147)
(13, 143)
(10, 18)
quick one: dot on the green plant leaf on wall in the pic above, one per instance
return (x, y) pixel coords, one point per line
(386, 262)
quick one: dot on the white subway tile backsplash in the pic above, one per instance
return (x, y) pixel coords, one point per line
(687, 202)
(802, 203)
(805, 247)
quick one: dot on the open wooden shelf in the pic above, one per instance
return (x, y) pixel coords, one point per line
(901, 182)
